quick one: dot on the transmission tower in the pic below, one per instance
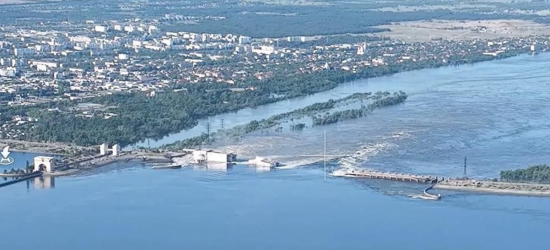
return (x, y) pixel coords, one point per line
(223, 124)
(208, 130)
(465, 167)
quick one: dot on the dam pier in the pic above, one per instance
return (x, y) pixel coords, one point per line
(69, 165)
(453, 184)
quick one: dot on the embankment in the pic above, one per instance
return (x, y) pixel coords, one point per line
(492, 187)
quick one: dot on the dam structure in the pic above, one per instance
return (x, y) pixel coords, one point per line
(453, 184)
(385, 175)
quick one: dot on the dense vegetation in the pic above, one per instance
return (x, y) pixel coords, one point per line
(536, 174)
(261, 19)
(356, 113)
(381, 99)
(292, 20)
(140, 116)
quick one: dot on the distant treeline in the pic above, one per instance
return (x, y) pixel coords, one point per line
(258, 19)
(535, 174)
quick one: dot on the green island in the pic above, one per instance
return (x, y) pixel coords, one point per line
(534, 174)
(319, 113)
(137, 116)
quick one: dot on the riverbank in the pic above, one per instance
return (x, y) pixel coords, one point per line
(137, 108)
(492, 187)
(52, 148)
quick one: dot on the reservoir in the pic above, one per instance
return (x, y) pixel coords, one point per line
(495, 113)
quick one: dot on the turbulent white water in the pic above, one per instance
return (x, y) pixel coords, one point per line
(498, 122)
(494, 113)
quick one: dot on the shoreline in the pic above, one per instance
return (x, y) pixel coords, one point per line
(50, 148)
(495, 187)
(142, 143)
(54, 148)
(32, 151)
(493, 191)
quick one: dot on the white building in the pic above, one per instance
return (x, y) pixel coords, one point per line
(41, 67)
(245, 39)
(104, 149)
(122, 56)
(152, 29)
(100, 28)
(137, 44)
(23, 51)
(362, 48)
(8, 71)
(293, 39)
(263, 50)
(116, 149)
(44, 66)
(201, 156)
(44, 164)
(205, 38)
(129, 28)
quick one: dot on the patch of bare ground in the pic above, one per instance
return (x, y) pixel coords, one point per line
(12, 1)
(419, 31)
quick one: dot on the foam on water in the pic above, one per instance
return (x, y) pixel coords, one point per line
(361, 156)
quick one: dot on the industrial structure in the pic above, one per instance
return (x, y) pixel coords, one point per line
(44, 164)
(262, 162)
(205, 156)
(104, 149)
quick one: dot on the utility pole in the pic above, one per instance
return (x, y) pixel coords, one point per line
(324, 155)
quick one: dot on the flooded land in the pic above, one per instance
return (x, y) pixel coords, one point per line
(495, 113)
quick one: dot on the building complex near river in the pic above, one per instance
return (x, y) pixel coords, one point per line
(205, 156)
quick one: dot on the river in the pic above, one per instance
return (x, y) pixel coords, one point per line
(495, 113)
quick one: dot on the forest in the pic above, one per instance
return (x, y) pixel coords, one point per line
(269, 18)
(534, 174)
(381, 102)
